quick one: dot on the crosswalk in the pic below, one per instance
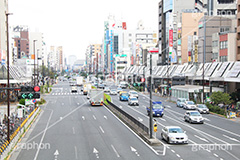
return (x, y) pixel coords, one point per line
(66, 93)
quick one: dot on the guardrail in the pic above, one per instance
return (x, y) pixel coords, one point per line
(5, 145)
(131, 118)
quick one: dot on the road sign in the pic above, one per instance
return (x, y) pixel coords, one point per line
(34, 101)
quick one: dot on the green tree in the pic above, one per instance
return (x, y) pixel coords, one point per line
(220, 97)
(22, 101)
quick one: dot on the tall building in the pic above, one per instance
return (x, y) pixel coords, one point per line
(170, 12)
(71, 60)
(238, 31)
(60, 60)
(3, 35)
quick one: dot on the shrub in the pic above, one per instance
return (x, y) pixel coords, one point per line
(22, 101)
(106, 97)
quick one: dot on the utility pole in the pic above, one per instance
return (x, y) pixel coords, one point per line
(204, 51)
(151, 116)
(37, 67)
(34, 70)
(8, 79)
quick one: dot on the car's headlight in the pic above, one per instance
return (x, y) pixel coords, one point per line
(153, 112)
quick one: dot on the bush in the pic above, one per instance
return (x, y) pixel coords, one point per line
(42, 101)
(106, 97)
(215, 109)
(22, 101)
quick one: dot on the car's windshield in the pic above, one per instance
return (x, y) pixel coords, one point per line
(133, 92)
(157, 106)
(119, 88)
(195, 114)
(113, 90)
(124, 94)
(175, 130)
(190, 102)
(202, 106)
(182, 100)
(133, 98)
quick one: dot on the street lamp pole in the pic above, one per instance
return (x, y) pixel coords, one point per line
(204, 51)
(37, 67)
(151, 116)
(8, 79)
(34, 62)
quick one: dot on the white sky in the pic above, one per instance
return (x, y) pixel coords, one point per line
(74, 24)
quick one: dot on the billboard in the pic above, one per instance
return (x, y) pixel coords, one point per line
(124, 25)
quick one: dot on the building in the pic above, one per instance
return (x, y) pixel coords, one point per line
(186, 35)
(227, 49)
(215, 24)
(169, 21)
(238, 31)
(71, 60)
(3, 35)
(223, 8)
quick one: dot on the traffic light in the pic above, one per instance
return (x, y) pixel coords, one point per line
(30, 92)
(155, 127)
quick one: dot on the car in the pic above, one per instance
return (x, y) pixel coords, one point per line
(123, 96)
(193, 117)
(113, 92)
(180, 102)
(106, 89)
(202, 108)
(119, 90)
(174, 134)
(74, 89)
(133, 94)
(133, 101)
(101, 86)
(189, 105)
(157, 109)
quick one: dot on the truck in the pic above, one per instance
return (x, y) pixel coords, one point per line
(96, 97)
(79, 81)
(86, 88)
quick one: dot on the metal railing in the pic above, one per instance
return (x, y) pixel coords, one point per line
(131, 118)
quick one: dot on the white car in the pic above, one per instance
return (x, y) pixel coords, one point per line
(133, 94)
(189, 105)
(74, 89)
(133, 101)
(113, 92)
(174, 134)
(193, 117)
(202, 108)
(106, 89)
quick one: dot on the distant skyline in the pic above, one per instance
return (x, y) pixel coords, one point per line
(75, 24)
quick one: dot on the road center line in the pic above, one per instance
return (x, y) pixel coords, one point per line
(76, 155)
(94, 117)
(73, 130)
(101, 129)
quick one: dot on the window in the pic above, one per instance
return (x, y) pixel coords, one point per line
(130, 35)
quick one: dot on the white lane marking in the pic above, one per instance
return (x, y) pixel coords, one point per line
(134, 150)
(53, 94)
(162, 119)
(94, 117)
(105, 117)
(62, 103)
(140, 119)
(164, 148)
(83, 117)
(215, 154)
(95, 151)
(203, 139)
(76, 155)
(137, 106)
(62, 93)
(101, 129)
(115, 150)
(178, 155)
(56, 153)
(77, 103)
(61, 118)
(45, 130)
(73, 130)
(89, 109)
(168, 106)
(120, 107)
(233, 139)
(206, 119)
(172, 150)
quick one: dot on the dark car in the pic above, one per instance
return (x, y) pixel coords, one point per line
(157, 109)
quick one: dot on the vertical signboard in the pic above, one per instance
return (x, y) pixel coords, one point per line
(189, 48)
(170, 41)
(124, 25)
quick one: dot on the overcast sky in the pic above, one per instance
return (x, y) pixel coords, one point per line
(74, 24)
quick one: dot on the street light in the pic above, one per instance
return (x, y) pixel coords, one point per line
(8, 77)
(37, 67)
(34, 61)
(204, 51)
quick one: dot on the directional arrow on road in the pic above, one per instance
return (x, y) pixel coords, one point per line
(105, 117)
(95, 151)
(134, 150)
(56, 153)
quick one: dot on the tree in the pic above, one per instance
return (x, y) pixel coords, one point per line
(220, 97)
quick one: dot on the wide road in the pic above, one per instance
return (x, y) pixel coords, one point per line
(218, 138)
(70, 129)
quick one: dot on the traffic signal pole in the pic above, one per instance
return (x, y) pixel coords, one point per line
(151, 116)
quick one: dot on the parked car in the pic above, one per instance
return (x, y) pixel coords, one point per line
(180, 102)
(133, 94)
(157, 109)
(202, 108)
(193, 117)
(189, 105)
(174, 134)
(133, 101)
(113, 92)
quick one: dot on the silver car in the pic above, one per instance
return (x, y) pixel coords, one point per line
(133, 94)
(193, 117)
(174, 134)
(113, 92)
(133, 101)
(202, 108)
(189, 105)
